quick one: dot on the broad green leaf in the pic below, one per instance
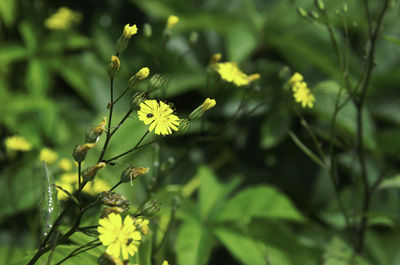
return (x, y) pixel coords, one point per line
(247, 250)
(193, 244)
(8, 11)
(242, 40)
(393, 182)
(259, 202)
(49, 206)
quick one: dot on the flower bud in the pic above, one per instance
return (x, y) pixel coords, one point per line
(345, 8)
(142, 224)
(150, 208)
(106, 211)
(147, 30)
(301, 12)
(313, 15)
(199, 111)
(194, 37)
(106, 259)
(172, 21)
(156, 82)
(208, 104)
(114, 199)
(131, 173)
(94, 132)
(114, 66)
(138, 77)
(80, 151)
(319, 4)
(89, 173)
(137, 98)
(184, 125)
(123, 41)
(215, 59)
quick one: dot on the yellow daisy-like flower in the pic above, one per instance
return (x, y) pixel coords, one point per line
(48, 156)
(159, 115)
(63, 19)
(304, 96)
(17, 143)
(296, 78)
(129, 31)
(172, 21)
(165, 262)
(229, 71)
(120, 238)
(65, 164)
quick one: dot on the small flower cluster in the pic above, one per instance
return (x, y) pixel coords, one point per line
(301, 93)
(230, 72)
(17, 143)
(63, 19)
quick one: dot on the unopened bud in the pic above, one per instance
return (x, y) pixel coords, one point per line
(150, 208)
(319, 4)
(215, 59)
(172, 21)
(106, 211)
(147, 30)
(313, 14)
(208, 104)
(199, 111)
(106, 259)
(301, 12)
(113, 67)
(184, 125)
(94, 132)
(194, 37)
(138, 98)
(138, 77)
(123, 41)
(131, 173)
(157, 81)
(114, 199)
(80, 151)
(89, 173)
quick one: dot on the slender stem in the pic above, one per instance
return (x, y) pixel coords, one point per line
(109, 120)
(79, 174)
(116, 185)
(360, 105)
(129, 151)
(121, 122)
(120, 96)
(79, 250)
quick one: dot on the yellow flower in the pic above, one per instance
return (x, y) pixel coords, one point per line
(48, 156)
(129, 31)
(65, 164)
(229, 71)
(120, 238)
(159, 116)
(208, 104)
(102, 126)
(296, 77)
(63, 19)
(115, 63)
(215, 59)
(165, 262)
(304, 96)
(172, 21)
(97, 186)
(143, 73)
(17, 143)
(143, 225)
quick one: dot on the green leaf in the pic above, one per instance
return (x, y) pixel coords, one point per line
(393, 182)
(29, 35)
(8, 11)
(245, 249)
(37, 78)
(261, 202)
(11, 53)
(242, 40)
(339, 253)
(193, 244)
(392, 39)
(49, 206)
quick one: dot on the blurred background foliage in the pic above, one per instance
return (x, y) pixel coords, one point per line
(247, 195)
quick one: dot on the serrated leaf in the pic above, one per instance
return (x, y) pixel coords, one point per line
(259, 202)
